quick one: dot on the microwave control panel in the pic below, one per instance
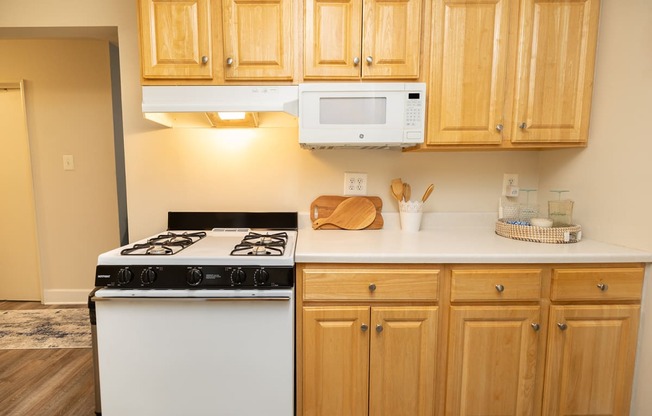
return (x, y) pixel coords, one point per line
(414, 110)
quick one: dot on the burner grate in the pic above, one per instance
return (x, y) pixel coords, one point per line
(257, 244)
(165, 244)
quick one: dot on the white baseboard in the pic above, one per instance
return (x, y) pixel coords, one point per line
(65, 296)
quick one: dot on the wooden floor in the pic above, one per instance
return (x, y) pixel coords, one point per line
(46, 382)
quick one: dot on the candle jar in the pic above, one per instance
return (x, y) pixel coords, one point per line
(561, 212)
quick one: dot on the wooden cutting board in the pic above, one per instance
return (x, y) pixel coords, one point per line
(324, 205)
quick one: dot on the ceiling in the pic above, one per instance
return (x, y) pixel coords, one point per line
(108, 33)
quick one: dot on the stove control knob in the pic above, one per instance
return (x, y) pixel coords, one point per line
(148, 276)
(238, 276)
(261, 276)
(194, 276)
(125, 275)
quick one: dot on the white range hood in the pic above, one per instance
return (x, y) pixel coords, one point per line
(196, 106)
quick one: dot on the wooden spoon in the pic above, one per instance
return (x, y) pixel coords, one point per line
(407, 191)
(353, 213)
(426, 194)
(397, 189)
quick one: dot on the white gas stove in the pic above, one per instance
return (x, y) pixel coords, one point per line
(196, 319)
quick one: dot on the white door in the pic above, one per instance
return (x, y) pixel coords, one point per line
(19, 261)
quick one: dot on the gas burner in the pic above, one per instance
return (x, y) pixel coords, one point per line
(265, 239)
(165, 244)
(256, 244)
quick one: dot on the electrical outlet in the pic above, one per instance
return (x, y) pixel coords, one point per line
(355, 183)
(510, 184)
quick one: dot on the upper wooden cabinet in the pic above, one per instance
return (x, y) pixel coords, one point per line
(468, 71)
(511, 73)
(217, 42)
(556, 58)
(258, 41)
(175, 39)
(352, 39)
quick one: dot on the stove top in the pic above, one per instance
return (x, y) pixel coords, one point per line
(213, 247)
(212, 258)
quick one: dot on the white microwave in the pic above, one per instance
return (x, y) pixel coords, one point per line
(363, 115)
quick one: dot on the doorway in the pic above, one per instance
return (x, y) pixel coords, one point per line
(19, 258)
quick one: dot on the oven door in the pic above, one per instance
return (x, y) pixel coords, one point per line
(196, 352)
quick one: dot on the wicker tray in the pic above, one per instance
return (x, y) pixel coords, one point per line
(553, 235)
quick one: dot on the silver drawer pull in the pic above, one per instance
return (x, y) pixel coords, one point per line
(364, 327)
(379, 328)
(535, 326)
(204, 59)
(562, 326)
(372, 287)
(500, 288)
(603, 287)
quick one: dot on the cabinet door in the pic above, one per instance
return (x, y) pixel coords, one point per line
(402, 362)
(335, 361)
(258, 39)
(333, 38)
(175, 39)
(391, 39)
(492, 360)
(557, 41)
(590, 364)
(468, 68)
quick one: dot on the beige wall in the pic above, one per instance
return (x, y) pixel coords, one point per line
(611, 181)
(68, 102)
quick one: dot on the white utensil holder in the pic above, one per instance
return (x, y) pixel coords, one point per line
(410, 213)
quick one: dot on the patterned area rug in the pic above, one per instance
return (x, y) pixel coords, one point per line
(44, 328)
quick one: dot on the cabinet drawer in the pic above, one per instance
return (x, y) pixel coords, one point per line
(597, 284)
(370, 284)
(496, 285)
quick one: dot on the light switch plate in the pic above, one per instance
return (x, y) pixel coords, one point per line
(68, 162)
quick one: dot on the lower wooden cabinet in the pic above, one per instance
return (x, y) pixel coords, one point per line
(368, 360)
(510, 340)
(492, 360)
(590, 360)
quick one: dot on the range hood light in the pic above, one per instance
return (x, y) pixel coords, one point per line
(231, 115)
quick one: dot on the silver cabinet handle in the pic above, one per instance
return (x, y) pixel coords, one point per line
(370, 60)
(562, 326)
(364, 327)
(372, 287)
(204, 59)
(356, 61)
(603, 286)
(229, 61)
(535, 326)
(499, 127)
(522, 126)
(379, 328)
(500, 288)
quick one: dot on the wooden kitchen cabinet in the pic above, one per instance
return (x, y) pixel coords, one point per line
(363, 354)
(592, 346)
(468, 70)
(217, 41)
(508, 339)
(495, 345)
(258, 39)
(511, 73)
(175, 39)
(368, 39)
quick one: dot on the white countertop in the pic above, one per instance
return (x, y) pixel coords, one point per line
(447, 238)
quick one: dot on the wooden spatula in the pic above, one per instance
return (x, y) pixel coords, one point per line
(353, 213)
